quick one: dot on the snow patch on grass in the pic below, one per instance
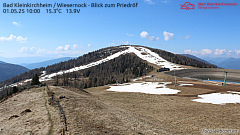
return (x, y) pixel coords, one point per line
(234, 92)
(185, 84)
(218, 98)
(147, 87)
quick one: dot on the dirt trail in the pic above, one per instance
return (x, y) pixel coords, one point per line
(89, 115)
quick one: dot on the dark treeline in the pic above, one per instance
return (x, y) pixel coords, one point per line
(182, 60)
(24, 76)
(7, 91)
(118, 70)
(85, 59)
(82, 60)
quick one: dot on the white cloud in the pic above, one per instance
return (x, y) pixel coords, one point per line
(18, 24)
(21, 39)
(126, 43)
(145, 34)
(213, 52)
(202, 52)
(23, 49)
(30, 50)
(130, 35)
(220, 51)
(89, 45)
(60, 48)
(237, 51)
(187, 37)
(149, 1)
(164, 1)
(76, 52)
(41, 51)
(10, 38)
(111, 43)
(195, 52)
(67, 47)
(229, 52)
(64, 48)
(13, 38)
(75, 46)
(167, 35)
(119, 42)
(187, 51)
(152, 38)
(205, 51)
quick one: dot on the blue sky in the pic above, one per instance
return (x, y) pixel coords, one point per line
(154, 23)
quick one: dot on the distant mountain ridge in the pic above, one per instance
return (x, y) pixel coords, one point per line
(230, 63)
(194, 57)
(46, 63)
(20, 60)
(8, 71)
(216, 60)
(223, 62)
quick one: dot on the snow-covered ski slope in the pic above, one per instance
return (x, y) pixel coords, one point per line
(141, 52)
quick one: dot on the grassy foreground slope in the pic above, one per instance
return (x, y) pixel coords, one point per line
(98, 111)
(29, 112)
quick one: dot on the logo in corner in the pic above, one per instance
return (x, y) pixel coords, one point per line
(187, 6)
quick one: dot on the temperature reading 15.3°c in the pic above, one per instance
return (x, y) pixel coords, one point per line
(54, 10)
(73, 10)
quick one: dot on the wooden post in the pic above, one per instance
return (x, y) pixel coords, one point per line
(175, 79)
(225, 79)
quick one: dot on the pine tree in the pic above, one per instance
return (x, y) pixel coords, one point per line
(15, 89)
(35, 80)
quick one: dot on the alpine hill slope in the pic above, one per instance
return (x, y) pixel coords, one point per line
(8, 70)
(154, 57)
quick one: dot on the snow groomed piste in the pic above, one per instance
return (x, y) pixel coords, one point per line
(141, 52)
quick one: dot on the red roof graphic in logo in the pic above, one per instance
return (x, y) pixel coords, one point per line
(188, 6)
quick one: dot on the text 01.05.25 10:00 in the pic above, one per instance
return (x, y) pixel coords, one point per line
(21, 10)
